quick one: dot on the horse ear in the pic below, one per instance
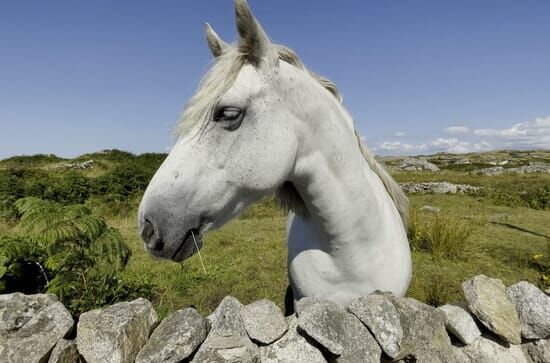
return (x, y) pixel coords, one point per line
(215, 43)
(253, 41)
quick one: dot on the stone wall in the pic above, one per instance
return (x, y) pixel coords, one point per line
(492, 324)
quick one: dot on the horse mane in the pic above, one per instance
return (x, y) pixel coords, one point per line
(219, 79)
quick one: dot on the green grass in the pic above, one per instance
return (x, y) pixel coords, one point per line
(246, 259)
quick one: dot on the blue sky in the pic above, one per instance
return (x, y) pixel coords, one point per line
(418, 76)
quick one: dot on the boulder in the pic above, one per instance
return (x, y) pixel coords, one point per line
(488, 301)
(460, 322)
(65, 351)
(227, 340)
(379, 314)
(538, 351)
(176, 337)
(533, 308)
(115, 333)
(292, 347)
(264, 321)
(486, 350)
(31, 326)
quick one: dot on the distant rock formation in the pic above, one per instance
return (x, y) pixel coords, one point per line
(533, 167)
(438, 188)
(417, 164)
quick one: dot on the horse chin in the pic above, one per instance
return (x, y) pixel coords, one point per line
(190, 244)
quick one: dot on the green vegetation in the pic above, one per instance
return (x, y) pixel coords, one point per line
(67, 251)
(74, 233)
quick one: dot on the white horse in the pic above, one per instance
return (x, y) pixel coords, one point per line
(261, 123)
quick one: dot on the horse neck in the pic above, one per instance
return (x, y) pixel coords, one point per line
(345, 198)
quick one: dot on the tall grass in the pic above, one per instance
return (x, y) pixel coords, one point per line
(440, 235)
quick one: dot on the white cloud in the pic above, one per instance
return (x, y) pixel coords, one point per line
(398, 146)
(458, 129)
(456, 146)
(531, 134)
(524, 135)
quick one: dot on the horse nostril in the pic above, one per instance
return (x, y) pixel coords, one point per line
(152, 241)
(147, 230)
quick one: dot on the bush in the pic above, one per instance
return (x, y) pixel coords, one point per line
(11, 189)
(67, 251)
(439, 235)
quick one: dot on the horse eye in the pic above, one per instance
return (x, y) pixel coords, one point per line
(227, 114)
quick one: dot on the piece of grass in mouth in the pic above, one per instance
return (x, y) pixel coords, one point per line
(198, 252)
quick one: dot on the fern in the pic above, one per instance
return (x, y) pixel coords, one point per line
(76, 255)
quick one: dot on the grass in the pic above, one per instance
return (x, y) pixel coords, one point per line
(245, 259)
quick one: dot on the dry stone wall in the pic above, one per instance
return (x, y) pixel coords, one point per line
(492, 324)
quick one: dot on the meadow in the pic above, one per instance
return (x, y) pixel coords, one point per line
(502, 231)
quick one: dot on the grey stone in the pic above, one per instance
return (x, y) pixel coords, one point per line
(115, 333)
(488, 301)
(414, 164)
(227, 340)
(176, 337)
(379, 314)
(322, 321)
(424, 335)
(486, 350)
(533, 308)
(17, 309)
(341, 333)
(65, 351)
(291, 348)
(495, 170)
(359, 344)
(31, 325)
(537, 351)
(442, 187)
(264, 321)
(460, 322)
(429, 208)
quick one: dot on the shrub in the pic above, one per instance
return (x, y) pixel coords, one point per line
(11, 189)
(67, 251)
(439, 235)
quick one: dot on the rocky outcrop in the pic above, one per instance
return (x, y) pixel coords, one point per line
(379, 327)
(415, 164)
(438, 188)
(533, 167)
